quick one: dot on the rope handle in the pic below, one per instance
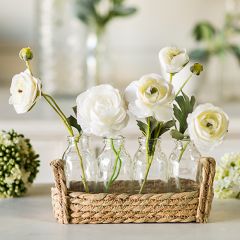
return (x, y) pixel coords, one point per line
(206, 192)
(60, 183)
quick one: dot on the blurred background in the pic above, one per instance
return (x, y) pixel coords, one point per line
(74, 49)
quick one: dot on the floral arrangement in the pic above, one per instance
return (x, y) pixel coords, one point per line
(227, 179)
(152, 100)
(18, 164)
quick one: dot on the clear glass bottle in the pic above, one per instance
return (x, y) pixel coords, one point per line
(61, 39)
(183, 163)
(72, 164)
(150, 171)
(114, 164)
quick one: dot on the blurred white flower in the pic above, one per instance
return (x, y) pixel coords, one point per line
(103, 7)
(207, 126)
(150, 96)
(25, 90)
(173, 59)
(101, 111)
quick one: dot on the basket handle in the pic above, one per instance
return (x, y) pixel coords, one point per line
(60, 184)
(206, 193)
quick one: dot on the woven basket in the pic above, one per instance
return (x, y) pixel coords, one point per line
(191, 205)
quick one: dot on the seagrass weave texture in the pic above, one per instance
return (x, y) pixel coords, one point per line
(78, 207)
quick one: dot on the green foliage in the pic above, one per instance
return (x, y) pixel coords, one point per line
(153, 129)
(18, 164)
(87, 12)
(203, 31)
(236, 51)
(183, 107)
(73, 121)
(215, 41)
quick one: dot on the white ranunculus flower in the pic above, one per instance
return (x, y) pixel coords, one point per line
(101, 111)
(150, 96)
(173, 59)
(207, 126)
(25, 90)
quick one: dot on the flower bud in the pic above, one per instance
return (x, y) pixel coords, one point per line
(26, 54)
(196, 68)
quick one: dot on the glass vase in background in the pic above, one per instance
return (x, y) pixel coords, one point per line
(97, 59)
(114, 164)
(153, 178)
(62, 50)
(183, 163)
(73, 170)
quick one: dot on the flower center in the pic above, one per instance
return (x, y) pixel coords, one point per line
(20, 90)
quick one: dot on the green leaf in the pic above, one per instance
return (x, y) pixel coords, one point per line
(143, 127)
(73, 122)
(236, 51)
(166, 127)
(176, 134)
(75, 110)
(121, 11)
(182, 109)
(203, 31)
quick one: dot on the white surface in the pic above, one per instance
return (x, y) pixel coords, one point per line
(31, 218)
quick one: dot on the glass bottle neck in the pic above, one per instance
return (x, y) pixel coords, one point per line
(155, 141)
(116, 142)
(83, 140)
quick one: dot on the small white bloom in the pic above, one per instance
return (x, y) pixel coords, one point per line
(103, 7)
(101, 111)
(150, 96)
(173, 59)
(207, 126)
(25, 90)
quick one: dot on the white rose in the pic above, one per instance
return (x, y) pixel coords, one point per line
(150, 96)
(25, 90)
(173, 59)
(101, 111)
(207, 126)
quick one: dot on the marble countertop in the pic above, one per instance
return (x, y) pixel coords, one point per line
(31, 217)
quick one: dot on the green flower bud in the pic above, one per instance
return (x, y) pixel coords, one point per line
(196, 68)
(26, 54)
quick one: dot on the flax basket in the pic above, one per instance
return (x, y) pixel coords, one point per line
(192, 205)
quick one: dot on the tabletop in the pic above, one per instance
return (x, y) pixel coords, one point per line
(31, 217)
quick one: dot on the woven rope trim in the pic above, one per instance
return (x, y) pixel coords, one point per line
(61, 211)
(206, 193)
(78, 207)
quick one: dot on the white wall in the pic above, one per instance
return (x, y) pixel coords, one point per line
(133, 42)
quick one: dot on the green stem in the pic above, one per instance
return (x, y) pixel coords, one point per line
(149, 156)
(115, 174)
(82, 167)
(184, 84)
(149, 160)
(65, 122)
(50, 100)
(147, 138)
(171, 77)
(28, 67)
(182, 151)
(62, 116)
